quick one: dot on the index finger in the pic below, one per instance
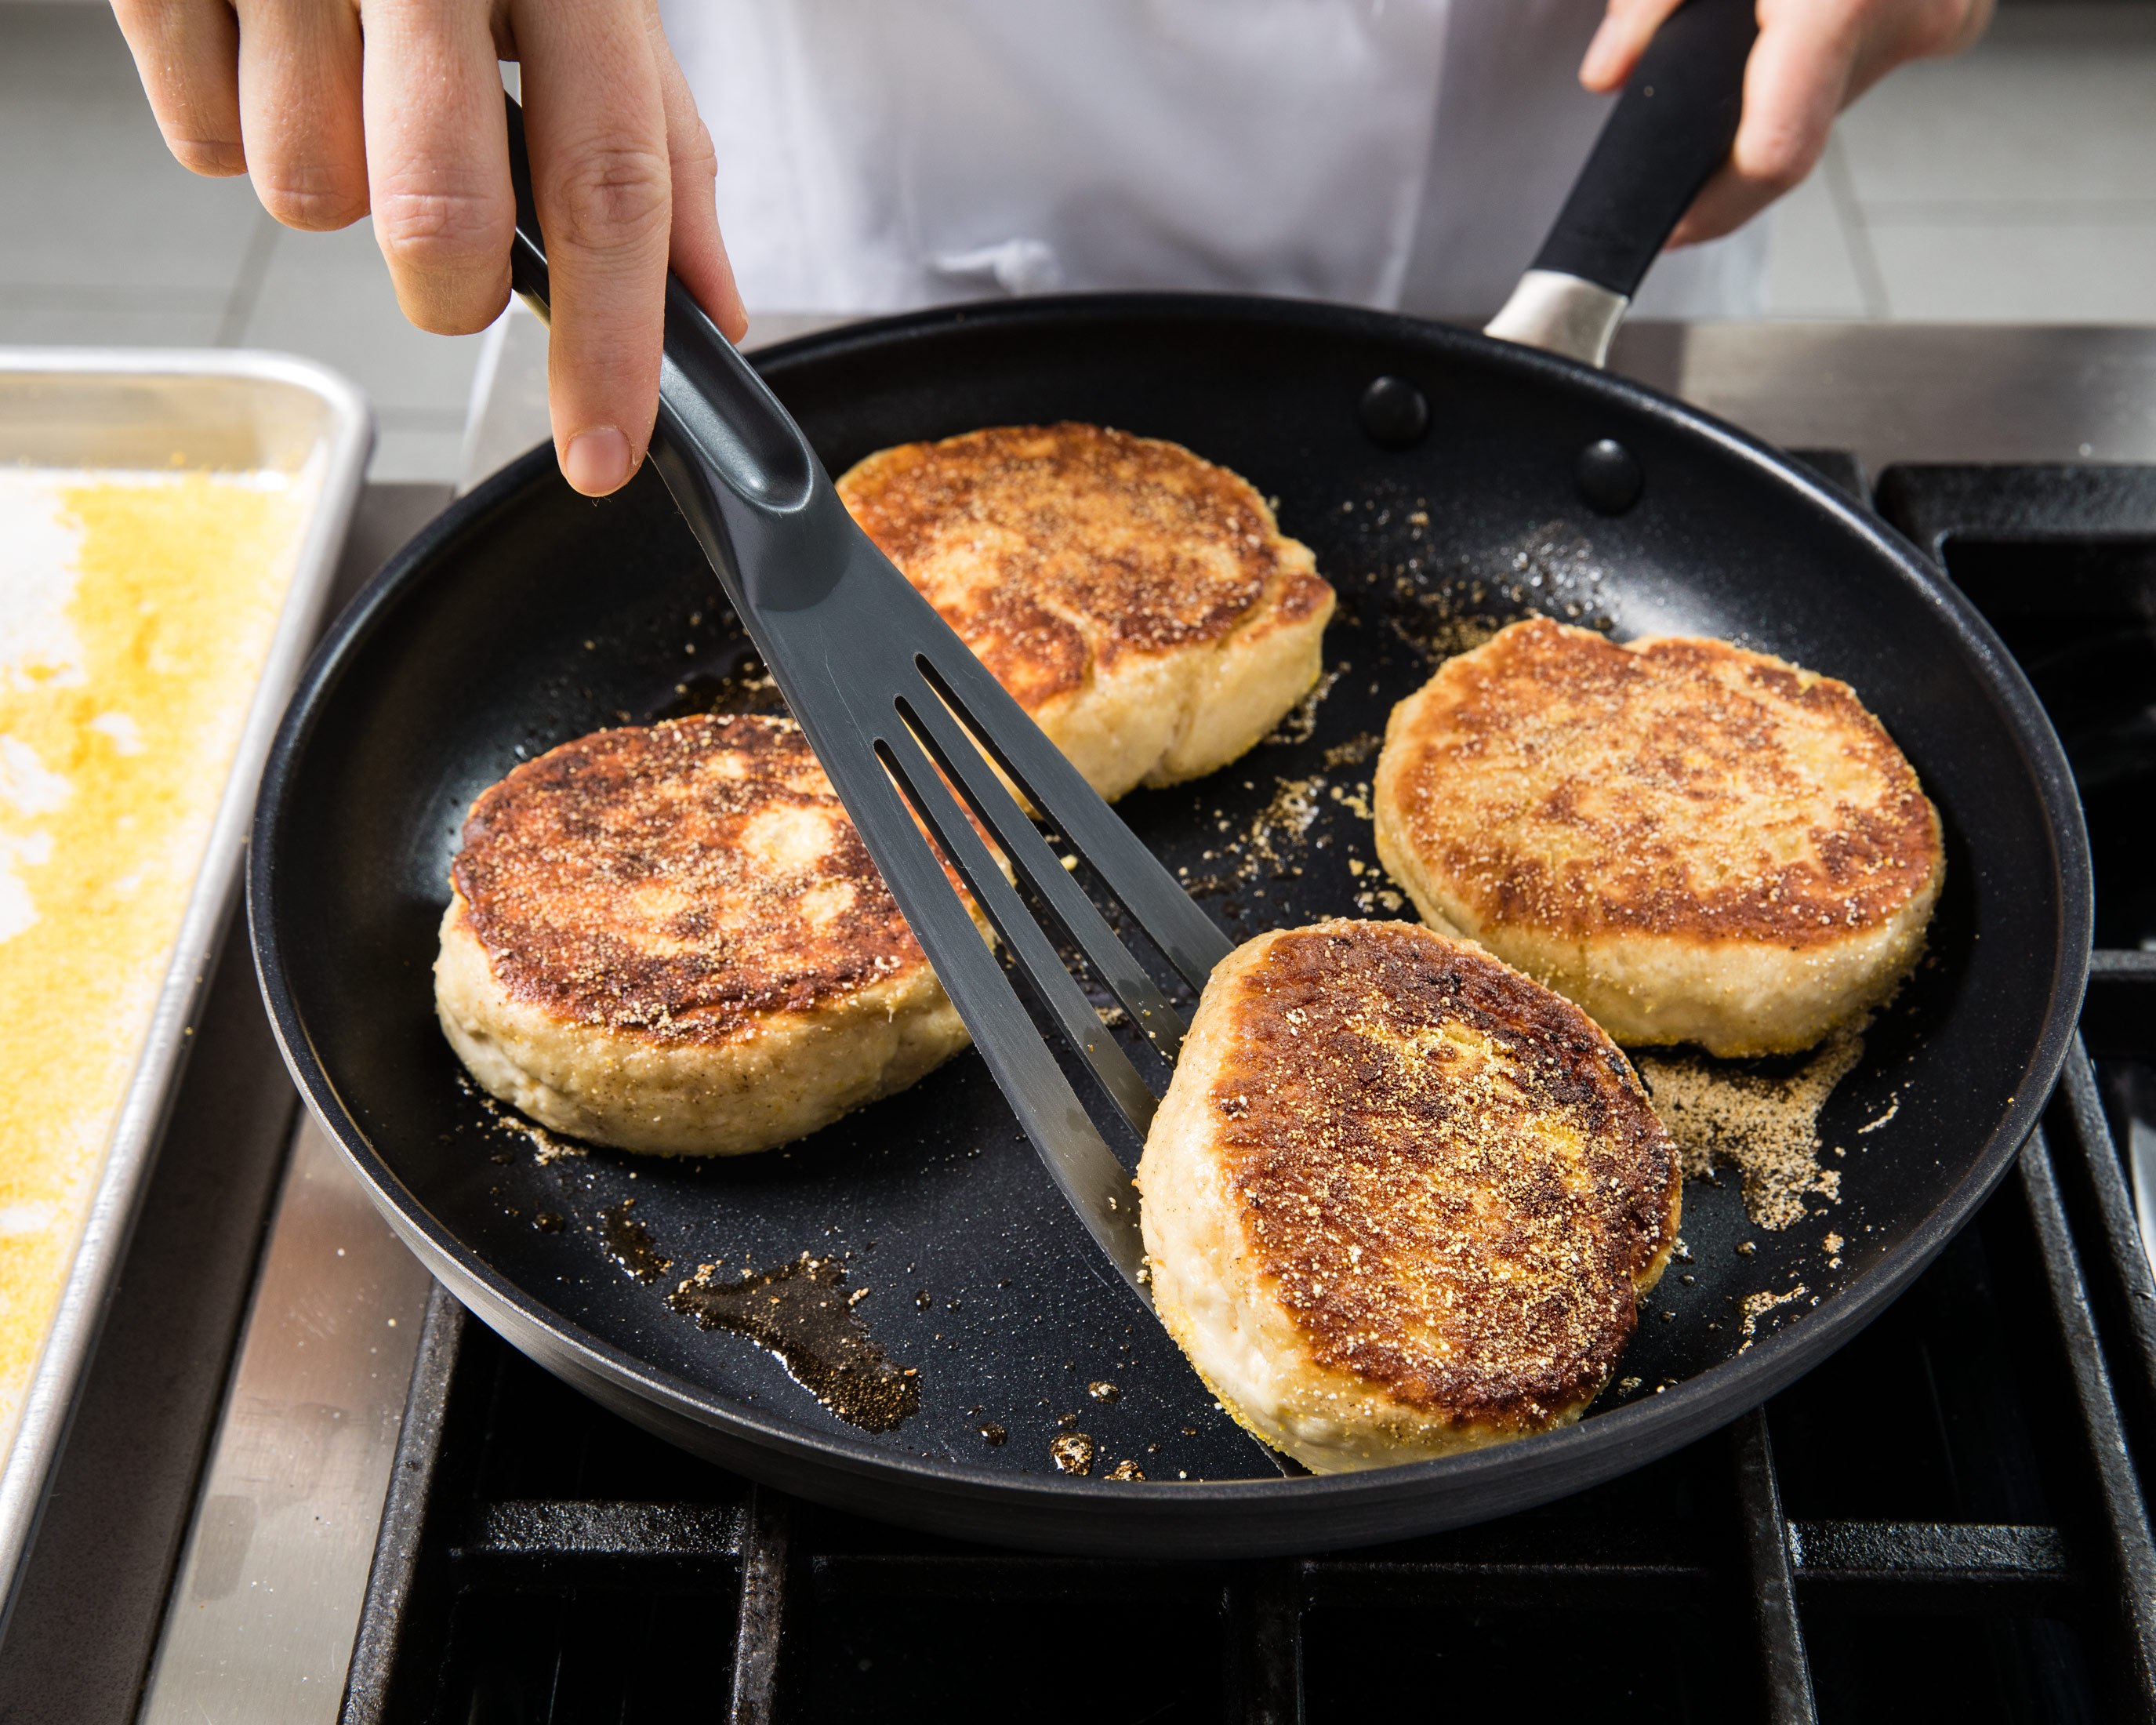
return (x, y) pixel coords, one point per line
(595, 121)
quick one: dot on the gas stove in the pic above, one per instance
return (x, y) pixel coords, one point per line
(398, 1517)
(1944, 1520)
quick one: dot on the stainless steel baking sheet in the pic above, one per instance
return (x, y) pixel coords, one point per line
(140, 409)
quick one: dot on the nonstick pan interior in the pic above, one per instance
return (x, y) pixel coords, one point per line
(528, 616)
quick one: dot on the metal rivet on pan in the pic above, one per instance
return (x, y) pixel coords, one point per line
(1394, 413)
(1608, 477)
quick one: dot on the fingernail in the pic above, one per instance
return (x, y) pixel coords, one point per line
(597, 461)
(1594, 67)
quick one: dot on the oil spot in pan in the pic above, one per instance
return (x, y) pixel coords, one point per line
(1072, 1453)
(629, 1243)
(746, 687)
(798, 1312)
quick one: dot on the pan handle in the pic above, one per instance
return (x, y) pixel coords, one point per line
(1670, 131)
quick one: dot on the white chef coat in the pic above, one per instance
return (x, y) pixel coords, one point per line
(877, 155)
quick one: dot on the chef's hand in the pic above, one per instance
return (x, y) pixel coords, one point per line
(1813, 58)
(405, 119)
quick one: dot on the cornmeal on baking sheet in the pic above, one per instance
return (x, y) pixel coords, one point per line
(137, 610)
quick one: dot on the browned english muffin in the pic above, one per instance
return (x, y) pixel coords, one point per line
(1694, 842)
(670, 938)
(1138, 602)
(1400, 1200)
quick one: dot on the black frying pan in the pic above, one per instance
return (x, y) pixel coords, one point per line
(1482, 480)
(525, 616)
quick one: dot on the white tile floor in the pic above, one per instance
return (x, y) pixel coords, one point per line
(2017, 184)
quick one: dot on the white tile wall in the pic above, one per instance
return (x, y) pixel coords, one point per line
(1987, 268)
(82, 202)
(327, 295)
(1819, 264)
(106, 239)
(2016, 184)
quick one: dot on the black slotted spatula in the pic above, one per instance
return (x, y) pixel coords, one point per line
(893, 703)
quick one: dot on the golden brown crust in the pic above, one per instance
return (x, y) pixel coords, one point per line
(1056, 551)
(1555, 780)
(1449, 1177)
(677, 882)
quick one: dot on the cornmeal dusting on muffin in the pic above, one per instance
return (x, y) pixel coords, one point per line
(671, 939)
(1625, 750)
(1139, 602)
(679, 880)
(1400, 1200)
(1695, 842)
(1393, 1147)
(1067, 547)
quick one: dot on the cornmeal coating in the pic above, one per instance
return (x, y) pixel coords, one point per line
(670, 938)
(1140, 603)
(1400, 1200)
(1696, 842)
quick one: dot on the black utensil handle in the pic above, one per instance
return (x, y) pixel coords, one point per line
(1670, 131)
(718, 416)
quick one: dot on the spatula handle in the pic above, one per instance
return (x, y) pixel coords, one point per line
(739, 467)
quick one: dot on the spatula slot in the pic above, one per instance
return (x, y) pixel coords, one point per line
(955, 752)
(1185, 934)
(918, 783)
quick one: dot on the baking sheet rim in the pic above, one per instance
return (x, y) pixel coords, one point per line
(48, 1400)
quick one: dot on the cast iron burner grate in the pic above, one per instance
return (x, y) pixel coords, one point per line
(1944, 1520)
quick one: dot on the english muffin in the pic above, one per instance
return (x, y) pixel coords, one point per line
(1400, 1200)
(1139, 602)
(1696, 842)
(670, 938)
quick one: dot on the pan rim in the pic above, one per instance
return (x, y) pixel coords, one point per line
(1625, 1437)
